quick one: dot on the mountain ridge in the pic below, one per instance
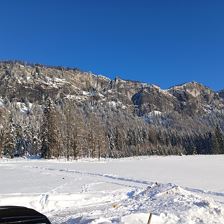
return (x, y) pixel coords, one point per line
(115, 117)
(32, 64)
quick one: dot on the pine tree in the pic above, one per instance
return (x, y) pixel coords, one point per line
(218, 145)
(1, 133)
(9, 141)
(74, 144)
(49, 132)
(1, 142)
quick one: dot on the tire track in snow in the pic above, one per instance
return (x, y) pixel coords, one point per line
(109, 176)
(132, 180)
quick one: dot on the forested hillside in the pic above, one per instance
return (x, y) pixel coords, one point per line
(57, 111)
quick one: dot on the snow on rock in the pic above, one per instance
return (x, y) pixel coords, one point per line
(112, 103)
(100, 95)
(155, 113)
(1, 102)
(53, 82)
(104, 77)
(24, 108)
(59, 80)
(163, 91)
(116, 104)
(85, 93)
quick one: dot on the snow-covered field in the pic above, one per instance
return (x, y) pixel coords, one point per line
(176, 189)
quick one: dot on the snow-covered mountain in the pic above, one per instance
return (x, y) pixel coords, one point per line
(22, 82)
(123, 117)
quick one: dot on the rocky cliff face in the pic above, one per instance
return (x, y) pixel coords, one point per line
(189, 99)
(183, 109)
(32, 82)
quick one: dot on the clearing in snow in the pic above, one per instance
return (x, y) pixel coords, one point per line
(176, 189)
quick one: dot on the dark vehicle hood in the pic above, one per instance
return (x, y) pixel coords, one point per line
(16, 214)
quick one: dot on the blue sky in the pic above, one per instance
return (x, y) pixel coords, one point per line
(165, 42)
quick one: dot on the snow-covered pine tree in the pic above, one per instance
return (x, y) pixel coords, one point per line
(1, 132)
(1, 142)
(218, 141)
(49, 131)
(9, 139)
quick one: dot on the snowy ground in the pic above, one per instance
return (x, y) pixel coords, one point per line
(176, 189)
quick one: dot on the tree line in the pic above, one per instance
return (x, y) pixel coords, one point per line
(66, 129)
